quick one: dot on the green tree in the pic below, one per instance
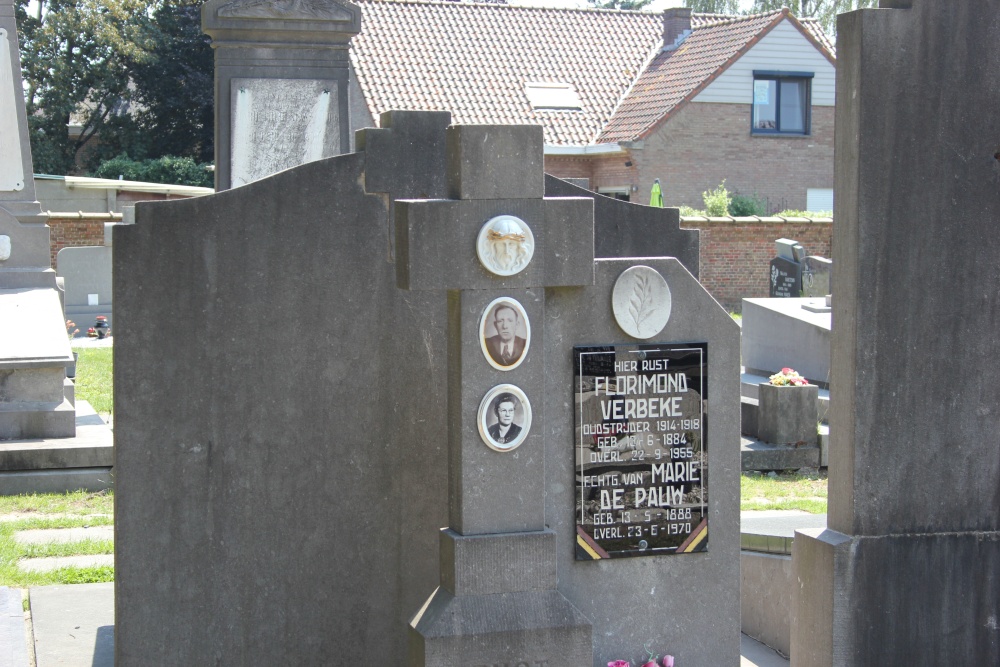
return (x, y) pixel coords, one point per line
(173, 89)
(619, 4)
(824, 10)
(74, 59)
(714, 6)
(827, 10)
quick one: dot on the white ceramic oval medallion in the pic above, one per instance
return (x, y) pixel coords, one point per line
(641, 302)
(504, 333)
(505, 245)
(4, 247)
(504, 418)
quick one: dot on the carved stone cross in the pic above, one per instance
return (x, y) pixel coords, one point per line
(497, 246)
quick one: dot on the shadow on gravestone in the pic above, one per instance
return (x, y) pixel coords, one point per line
(280, 431)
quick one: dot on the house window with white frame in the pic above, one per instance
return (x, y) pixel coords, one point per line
(781, 103)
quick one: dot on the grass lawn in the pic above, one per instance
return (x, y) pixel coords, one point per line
(785, 491)
(93, 378)
(71, 510)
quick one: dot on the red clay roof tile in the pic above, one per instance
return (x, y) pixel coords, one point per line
(474, 60)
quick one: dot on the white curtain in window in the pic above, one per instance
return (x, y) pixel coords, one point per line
(793, 106)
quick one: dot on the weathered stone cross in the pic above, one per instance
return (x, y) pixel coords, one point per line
(497, 247)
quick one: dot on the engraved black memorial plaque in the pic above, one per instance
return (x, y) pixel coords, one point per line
(641, 487)
(786, 278)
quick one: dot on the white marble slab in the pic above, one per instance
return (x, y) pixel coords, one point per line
(281, 123)
(11, 169)
(33, 328)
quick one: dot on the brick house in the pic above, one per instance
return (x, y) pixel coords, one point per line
(625, 97)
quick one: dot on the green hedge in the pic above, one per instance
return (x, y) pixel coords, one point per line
(167, 169)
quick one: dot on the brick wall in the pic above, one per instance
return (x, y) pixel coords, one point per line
(72, 233)
(735, 254)
(703, 143)
(611, 172)
(602, 172)
(568, 166)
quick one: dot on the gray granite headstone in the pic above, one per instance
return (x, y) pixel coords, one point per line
(279, 419)
(785, 270)
(909, 570)
(281, 75)
(300, 383)
(622, 229)
(495, 496)
(816, 276)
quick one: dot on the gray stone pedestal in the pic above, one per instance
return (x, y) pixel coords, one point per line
(787, 415)
(497, 602)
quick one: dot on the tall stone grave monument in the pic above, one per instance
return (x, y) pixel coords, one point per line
(458, 437)
(281, 74)
(909, 570)
(34, 350)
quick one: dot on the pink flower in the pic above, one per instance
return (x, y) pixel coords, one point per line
(668, 661)
(620, 663)
(787, 371)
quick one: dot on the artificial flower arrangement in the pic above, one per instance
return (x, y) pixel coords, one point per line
(788, 378)
(668, 660)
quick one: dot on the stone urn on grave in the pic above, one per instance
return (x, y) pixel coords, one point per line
(787, 413)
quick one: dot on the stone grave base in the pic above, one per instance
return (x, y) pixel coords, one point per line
(56, 465)
(880, 614)
(528, 627)
(33, 395)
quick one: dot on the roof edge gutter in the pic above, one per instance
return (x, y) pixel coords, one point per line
(592, 149)
(86, 183)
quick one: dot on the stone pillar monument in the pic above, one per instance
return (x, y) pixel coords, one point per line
(908, 572)
(34, 350)
(281, 72)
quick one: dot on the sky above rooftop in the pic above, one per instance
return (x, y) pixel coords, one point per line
(656, 5)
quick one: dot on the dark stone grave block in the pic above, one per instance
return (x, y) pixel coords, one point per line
(907, 572)
(787, 415)
(276, 417)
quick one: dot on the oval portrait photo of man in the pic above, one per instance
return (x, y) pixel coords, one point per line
(505, 333)
(504, 417)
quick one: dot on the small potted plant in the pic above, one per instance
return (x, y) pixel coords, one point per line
(788, 412)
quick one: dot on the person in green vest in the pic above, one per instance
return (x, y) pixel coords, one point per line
(656, 197)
